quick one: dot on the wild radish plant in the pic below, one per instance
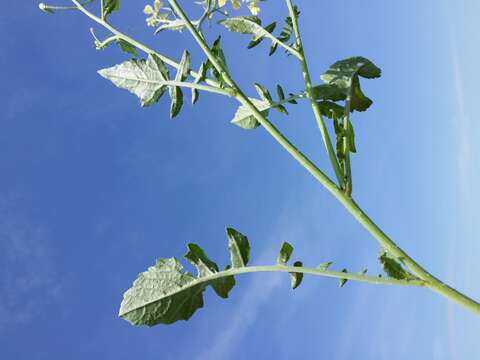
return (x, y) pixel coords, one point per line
(165, 293)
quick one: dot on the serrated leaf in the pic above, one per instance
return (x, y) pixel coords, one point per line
(345, 75)
(239, 248)
(393, 268)
(205, 267)
(125, 46)
(162, 295)
(244, 117)
(324, 266)
(342, 282)
(296, 278)
(285, 252)
(175, 91)
(110, 6)
(144, 78)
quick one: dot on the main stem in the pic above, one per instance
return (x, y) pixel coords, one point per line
(387, 243)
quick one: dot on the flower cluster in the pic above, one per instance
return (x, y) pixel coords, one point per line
(154, 16)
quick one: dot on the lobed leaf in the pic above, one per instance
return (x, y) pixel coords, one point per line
(144, 78)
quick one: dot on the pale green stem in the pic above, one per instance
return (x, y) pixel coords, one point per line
(313, 101)
(319, 272)
(387, 243)
(201, 87)
(102, 10)
(51, 8)
(136, 43)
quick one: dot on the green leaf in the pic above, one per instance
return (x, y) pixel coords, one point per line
(244, 117)
(280, 108)
(144, 78)
(351, 138)
(286, 32)
(285, 252)
(110, 6)
(393, 268)
(201, 76)
(343, 281)
(263, 92)
(329, 92)
(345, 75)
(162, 295)
(255, 41)
(205, 267)
(219, 54)
(172, 25)
(296, 278)
(280, 93)
(239, 248)
(175, 91)
(331, 109)
(125, 46)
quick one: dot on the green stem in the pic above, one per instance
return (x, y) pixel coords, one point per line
(319, 272)
(102, 10)
(211, 89)
(387, 243)
(311, 97)
(136, 43)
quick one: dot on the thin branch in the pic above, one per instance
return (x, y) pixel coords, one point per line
(315, 107)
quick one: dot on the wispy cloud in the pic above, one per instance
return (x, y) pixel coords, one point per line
(27, 274)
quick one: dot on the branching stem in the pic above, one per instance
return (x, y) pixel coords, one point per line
(387, 243)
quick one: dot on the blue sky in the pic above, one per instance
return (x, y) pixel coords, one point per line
(94, 188)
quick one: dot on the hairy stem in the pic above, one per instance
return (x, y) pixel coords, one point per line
(387, 243)
(311, 97)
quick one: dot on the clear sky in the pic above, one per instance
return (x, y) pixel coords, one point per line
(94, 188)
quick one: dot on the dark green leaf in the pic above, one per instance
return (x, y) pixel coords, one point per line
(239, 248)
(285, 252)
(343, 281)
(393, 268)
(219, 54)
(280, 108)
(345, 75)
(205, 267)
(351, 138)
(144, 78)
(296, 278)
(110, 6)
(285, 33)
(176, 91)
(329, 92)
(280, 93)
(127, 47)
(331, 109)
